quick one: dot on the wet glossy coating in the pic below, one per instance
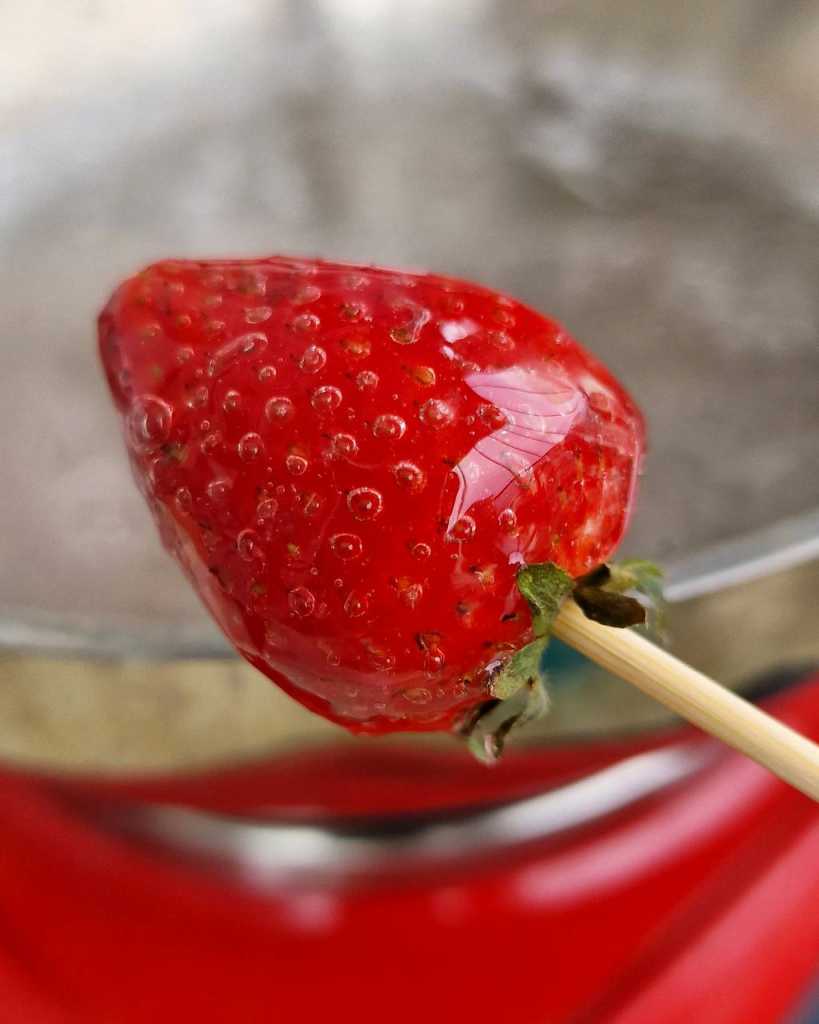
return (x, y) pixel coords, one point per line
(352, 465)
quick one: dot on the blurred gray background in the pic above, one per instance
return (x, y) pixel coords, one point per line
(647, 173)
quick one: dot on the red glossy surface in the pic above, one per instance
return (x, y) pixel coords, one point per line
(700, 902)
(352, 465)
(344, 782)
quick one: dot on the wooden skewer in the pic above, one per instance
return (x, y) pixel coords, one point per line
(695, 697)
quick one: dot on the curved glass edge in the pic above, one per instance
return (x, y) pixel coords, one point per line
(786, 544)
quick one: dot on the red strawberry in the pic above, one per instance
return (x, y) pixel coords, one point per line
(352, 465)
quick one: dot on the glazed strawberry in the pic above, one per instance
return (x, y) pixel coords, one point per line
(352, 465)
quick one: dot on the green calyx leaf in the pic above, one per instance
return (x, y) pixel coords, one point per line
(522, 667)
(488, 731)
(545, 588)
(518, 690)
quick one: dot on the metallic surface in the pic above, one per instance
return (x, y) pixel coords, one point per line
(263, 852)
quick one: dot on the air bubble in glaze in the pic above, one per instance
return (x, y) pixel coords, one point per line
(231, 400)
(346, 546)
(266, 512)
(296, 464)
(356, 605)
(389, 427)
(411, 477)
(344, 445)
(248, 546)
(436, 413)
(507, 520)
(305, 323)
(301, 602)
(218, 490)
(313, 359)
(491, 415)
(420, 551)
(409, 332)
(279, 411)
(250, 447)
(149, 423)
(464, 529)
(326, 398)
(364, 503)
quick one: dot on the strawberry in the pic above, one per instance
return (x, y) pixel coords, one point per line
(353, 465)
